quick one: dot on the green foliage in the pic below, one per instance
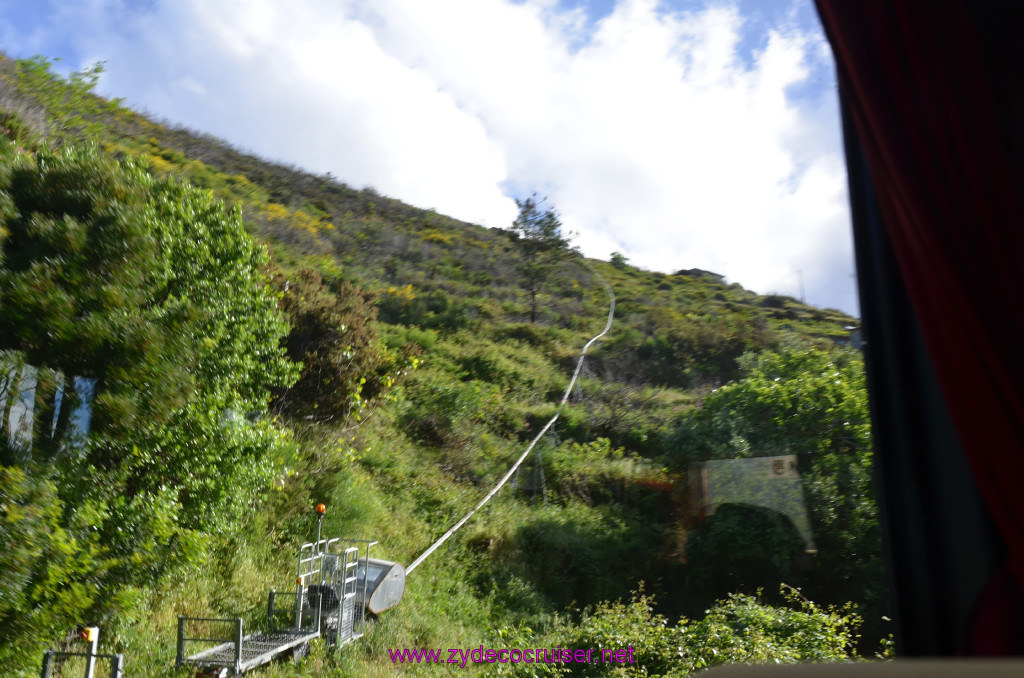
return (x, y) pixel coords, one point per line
(620, 625)
(811, 403)
(47, 574)
(344, 364)
(148, 287)
(537, 235)
(742, 549)
(73, 113)
(451, 413)
(619, 260)
(398, 336)
(153, 291)
(428, 309)
(14, 128)
(519, 371)
(576, 553)
(81, 265)
(595, 473)
(738, 629)
(689, 350)
(627, 412)
(796, 400)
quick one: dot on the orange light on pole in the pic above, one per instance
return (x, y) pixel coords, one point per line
(320, 511)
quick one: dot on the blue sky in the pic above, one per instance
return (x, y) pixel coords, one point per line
(683, 133)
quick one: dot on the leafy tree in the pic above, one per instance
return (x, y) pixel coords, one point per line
(70, 109)
(537, 234)
(811, 403)
(81, 268)
(619, 260)
(345, 366)
(150, 288)
(48, 574)
(153, 293)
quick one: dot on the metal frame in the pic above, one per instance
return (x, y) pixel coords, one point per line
(312, 563)
(358, 611)
(326, 592)
(241, 651)
(116, 662)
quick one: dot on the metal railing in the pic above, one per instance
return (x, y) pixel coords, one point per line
(52, 661)
(330, 591)
(311, 570)
(210, 655)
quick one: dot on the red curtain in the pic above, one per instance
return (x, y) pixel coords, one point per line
(934, 92)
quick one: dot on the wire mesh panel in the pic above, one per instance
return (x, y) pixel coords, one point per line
(349, 588)
(281, 606)
(314, 569)
(205, 642)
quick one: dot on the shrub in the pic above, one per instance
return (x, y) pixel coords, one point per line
(449, 414)
(344, 364)
(737, 630)
(743, 630)
(741, 549)
(576, 553)
(47, 575)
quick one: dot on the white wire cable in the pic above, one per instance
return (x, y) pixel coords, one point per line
(579, 365)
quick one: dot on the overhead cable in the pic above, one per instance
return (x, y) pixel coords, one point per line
(540, 434)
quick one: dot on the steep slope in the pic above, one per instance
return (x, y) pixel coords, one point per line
(447, 382)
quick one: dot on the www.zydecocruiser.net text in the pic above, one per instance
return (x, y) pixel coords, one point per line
(541, 655)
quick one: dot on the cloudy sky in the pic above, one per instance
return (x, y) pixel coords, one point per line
(682, 133)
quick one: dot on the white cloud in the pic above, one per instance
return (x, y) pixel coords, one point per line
(651, 135)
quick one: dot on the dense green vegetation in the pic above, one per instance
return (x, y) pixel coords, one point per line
(251, 339)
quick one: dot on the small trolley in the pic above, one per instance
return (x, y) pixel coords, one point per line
(333, 588)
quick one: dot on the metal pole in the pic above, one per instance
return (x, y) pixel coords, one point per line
(536, 476)
(298, 603)
(366, 576)
(238, 646)
(47, 664)
(543, 484)
(180, 661)
(90, 662)
(117, 666)
(298, 592)
(319, 522)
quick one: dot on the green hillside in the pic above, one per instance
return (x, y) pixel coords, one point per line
(260, 339)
